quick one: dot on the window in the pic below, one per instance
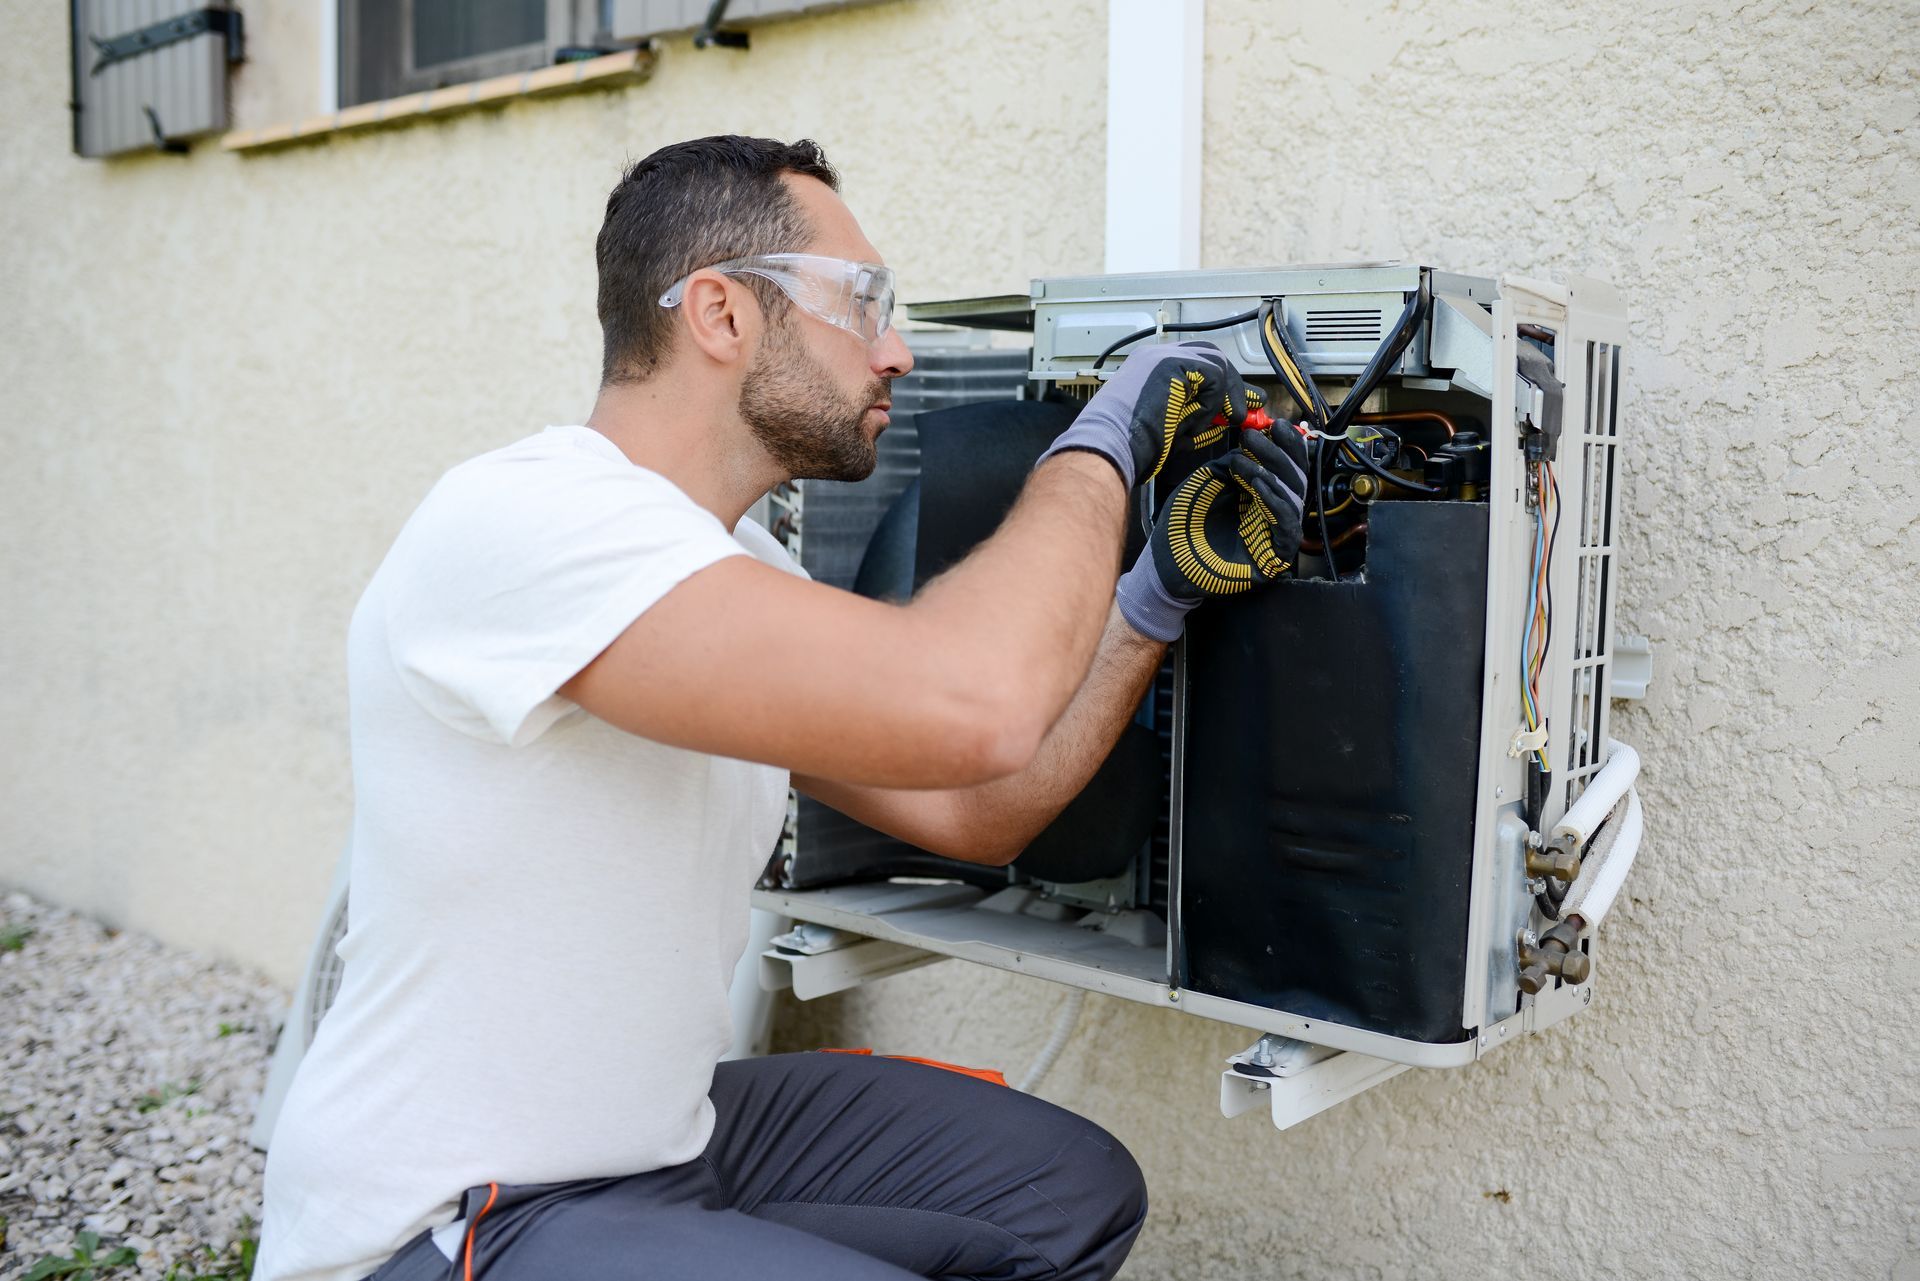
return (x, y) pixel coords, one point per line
(393, 47)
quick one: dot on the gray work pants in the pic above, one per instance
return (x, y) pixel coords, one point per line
(829, 1167)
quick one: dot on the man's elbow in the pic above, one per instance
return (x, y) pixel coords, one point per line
(992, 738)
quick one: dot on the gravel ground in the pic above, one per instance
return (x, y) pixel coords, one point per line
(129, 1072)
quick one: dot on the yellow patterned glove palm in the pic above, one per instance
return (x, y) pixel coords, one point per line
(1231, 526)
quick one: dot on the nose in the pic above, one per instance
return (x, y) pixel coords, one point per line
(889, 358)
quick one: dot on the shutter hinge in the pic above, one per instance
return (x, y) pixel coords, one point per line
(158, 35)
(711, 34)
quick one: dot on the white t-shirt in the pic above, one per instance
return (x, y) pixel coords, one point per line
(545, 911)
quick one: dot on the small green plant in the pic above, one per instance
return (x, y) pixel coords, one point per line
(14, 937)
(85, 1263)
(153, 1100)
(235, 1263)
(233, 1029)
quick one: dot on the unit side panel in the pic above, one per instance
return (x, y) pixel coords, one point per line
(1333, 738)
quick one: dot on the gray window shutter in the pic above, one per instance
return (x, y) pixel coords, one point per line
(633, 19)
(151, 70)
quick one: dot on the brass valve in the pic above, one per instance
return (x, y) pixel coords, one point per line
(1555, 864)
(1366, 488)
(1556, 956)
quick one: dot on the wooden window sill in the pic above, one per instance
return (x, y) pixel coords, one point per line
(627, 67)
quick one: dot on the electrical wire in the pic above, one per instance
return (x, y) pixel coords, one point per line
(1383, 357)
(1184, 327)
(1366, 460)
(1320, 492)
(1408, 417)
(1291, 370)
(1537, 637)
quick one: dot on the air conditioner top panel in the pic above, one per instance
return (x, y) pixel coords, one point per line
(1257, 282)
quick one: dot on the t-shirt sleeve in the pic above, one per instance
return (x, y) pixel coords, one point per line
(514, 575)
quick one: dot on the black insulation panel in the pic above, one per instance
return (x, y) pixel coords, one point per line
(972, 461)
(1333, 738)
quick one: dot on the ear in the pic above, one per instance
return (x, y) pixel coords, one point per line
(722, 315)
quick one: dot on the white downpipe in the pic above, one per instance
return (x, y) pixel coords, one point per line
(1584, 816)
(330, 56)
(1154, 70)
(1605, 870)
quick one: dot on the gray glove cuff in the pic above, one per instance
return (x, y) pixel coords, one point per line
(1094, 438)
(1147, 605)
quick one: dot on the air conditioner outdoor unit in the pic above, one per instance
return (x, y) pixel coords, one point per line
(1373, 812)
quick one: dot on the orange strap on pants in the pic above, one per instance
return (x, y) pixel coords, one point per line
(980, 1074)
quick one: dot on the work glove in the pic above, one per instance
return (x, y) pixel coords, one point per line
(1232, 526)
(1161, 396)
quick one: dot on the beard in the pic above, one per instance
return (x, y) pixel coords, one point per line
(808, 427)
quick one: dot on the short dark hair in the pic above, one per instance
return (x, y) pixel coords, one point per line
(688, 206)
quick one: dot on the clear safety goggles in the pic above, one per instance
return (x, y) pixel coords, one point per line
(856, 296)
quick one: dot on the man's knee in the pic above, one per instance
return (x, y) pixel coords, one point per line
(1120, 1184)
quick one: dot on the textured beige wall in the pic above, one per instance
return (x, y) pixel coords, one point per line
(226, 381)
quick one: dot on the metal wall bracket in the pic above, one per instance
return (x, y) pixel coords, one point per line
(1632, 666)
(158, 35)
(816, 960)
(1297, 1080)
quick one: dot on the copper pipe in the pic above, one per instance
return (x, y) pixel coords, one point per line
(1433, 416)
(1340, 539)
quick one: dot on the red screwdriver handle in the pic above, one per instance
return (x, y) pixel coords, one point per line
(1257, 420)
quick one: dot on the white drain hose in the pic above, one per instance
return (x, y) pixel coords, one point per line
(1062, 1033)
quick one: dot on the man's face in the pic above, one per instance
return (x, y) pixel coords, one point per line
(817, 396)
(811, 423)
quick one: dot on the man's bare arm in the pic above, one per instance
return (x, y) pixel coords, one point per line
(958, 687)
(992, 822)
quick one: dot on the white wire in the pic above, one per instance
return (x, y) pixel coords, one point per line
(1062, 1033)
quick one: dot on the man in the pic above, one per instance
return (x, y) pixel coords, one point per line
(566, 779)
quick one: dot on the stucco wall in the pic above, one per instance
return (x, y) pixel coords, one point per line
(225, 382)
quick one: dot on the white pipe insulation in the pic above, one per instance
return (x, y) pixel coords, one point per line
(1584, 817)
(1605, 868)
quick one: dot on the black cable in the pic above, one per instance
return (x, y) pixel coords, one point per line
(1361, 456)
(1320, 493)
(1185, 327)
(1383, 357)
(1290, 369)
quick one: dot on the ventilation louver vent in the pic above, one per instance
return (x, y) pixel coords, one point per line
(1346, 325)
(1599, 439)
